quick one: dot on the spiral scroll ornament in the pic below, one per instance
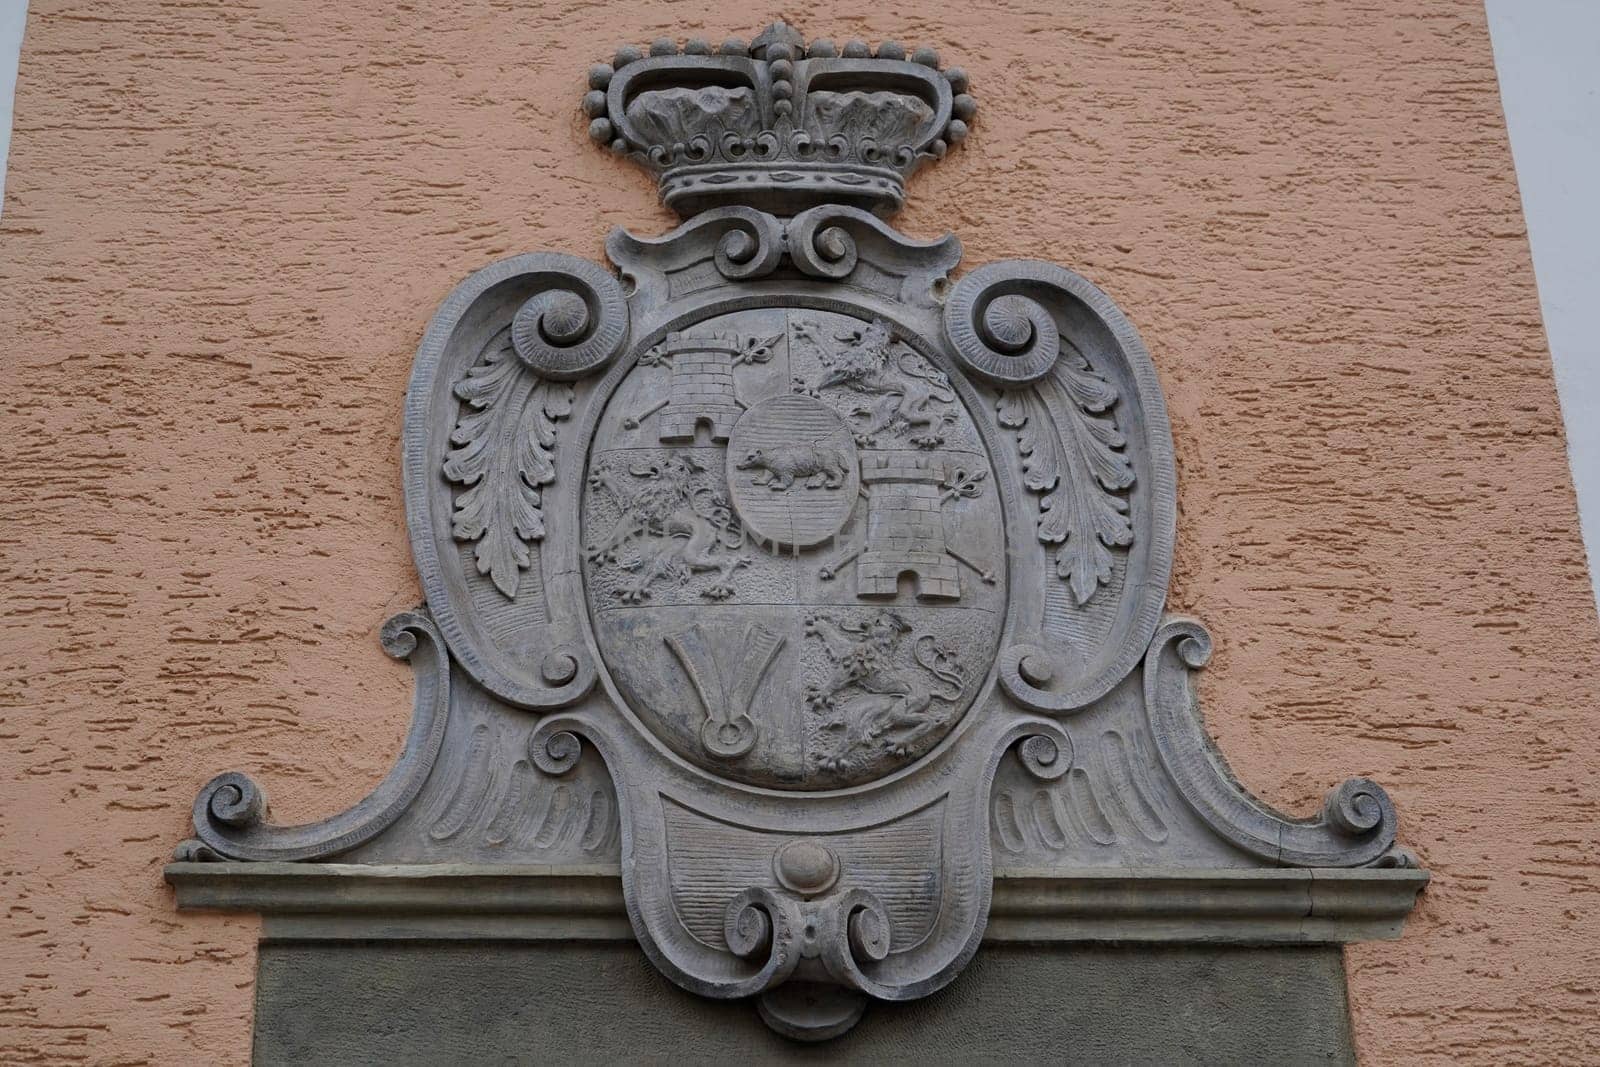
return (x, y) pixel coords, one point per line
(1357, 806)
(857, 933)
(868, 927)
(821, 247)
(760, 927)
(752, 246)
(1357, 824)
(553, 749)
(1046, 753)
(747, 925)
(575, 323)
(230, 811)
(233, 799)
(998, 326)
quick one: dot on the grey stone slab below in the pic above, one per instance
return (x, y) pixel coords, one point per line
(401, 1003)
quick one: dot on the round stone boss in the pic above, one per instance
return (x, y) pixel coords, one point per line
(793, 547)
(793, 471)
(806, 866)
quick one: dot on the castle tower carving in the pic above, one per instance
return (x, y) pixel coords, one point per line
(702, 388)
(905, 527)
(702, 391)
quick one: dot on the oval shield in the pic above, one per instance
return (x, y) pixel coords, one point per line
(786, 526)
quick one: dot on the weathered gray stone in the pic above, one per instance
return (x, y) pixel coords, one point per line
(800, 583)
(446, 900)
(398, 1003)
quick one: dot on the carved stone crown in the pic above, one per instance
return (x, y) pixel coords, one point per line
(776, 124)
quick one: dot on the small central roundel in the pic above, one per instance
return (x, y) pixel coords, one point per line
(793, 471)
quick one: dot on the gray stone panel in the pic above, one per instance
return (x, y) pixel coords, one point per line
(401, 1003)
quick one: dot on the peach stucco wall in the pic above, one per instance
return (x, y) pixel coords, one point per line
(227, 223)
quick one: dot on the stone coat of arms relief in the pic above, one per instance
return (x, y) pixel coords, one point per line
(789, 571)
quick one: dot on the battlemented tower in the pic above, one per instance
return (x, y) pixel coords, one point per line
(905, 527)
(702, 389)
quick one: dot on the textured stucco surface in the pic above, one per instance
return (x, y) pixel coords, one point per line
(226, 225)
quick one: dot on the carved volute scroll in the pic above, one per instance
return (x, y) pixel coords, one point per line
(1077, 391)
(491, 390)
(230, 812)
(791, 578)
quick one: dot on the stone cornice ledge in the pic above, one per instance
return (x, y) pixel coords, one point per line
(1275, 906)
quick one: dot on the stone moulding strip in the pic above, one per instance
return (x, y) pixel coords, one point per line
(1276, 906)
(332, 901)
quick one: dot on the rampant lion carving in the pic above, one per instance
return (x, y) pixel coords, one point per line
(679, 521)
(864, 361)
(886, 699)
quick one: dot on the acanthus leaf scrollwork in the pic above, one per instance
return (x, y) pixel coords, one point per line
(504, 453)
(1073, 454)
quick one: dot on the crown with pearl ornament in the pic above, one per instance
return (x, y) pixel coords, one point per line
(778, 124)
